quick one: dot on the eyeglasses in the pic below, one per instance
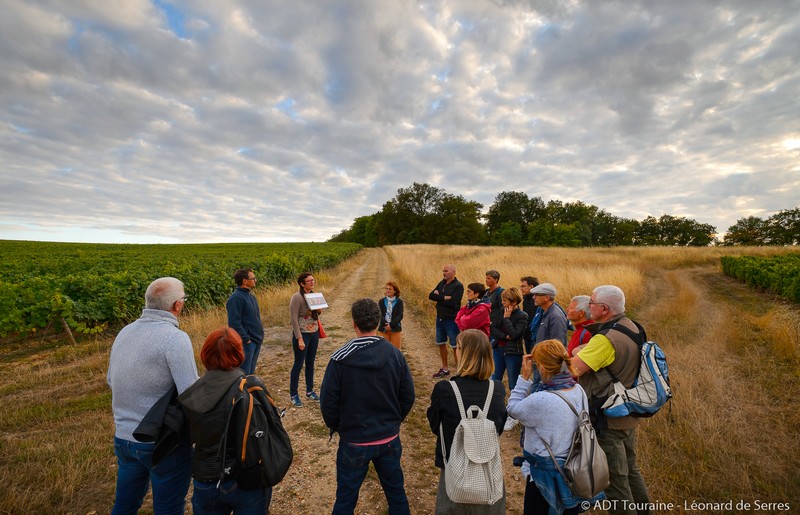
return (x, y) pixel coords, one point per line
(251, 278)
(593, 303)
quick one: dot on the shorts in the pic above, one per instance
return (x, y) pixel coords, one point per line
(446, 329)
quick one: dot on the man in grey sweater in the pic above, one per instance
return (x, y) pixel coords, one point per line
(148, 357)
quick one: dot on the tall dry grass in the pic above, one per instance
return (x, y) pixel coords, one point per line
(731, 430)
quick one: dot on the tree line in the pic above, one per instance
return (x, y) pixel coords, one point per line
(422, 213)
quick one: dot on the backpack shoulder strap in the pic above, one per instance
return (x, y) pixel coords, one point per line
(638, 338)
(458, 399)
(488, 402)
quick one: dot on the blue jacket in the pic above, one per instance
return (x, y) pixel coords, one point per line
(244, 316)
(367, 390)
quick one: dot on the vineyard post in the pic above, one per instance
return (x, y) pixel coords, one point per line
(69, 333)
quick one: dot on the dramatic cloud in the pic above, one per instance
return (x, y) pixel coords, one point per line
(271, 121)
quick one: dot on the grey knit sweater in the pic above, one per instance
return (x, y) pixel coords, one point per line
(147, 358)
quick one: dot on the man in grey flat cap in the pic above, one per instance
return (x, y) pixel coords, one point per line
(553, 322)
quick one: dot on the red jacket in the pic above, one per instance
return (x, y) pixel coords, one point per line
(476, 317)
(580, 336)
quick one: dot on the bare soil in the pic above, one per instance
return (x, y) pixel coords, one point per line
(310, 485)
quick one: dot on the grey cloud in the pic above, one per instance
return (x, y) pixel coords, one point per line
(265, 112)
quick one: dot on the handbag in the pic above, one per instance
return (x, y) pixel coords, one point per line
(586, 468)
(322, 333)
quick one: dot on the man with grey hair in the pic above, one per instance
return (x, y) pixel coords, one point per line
(613, 354)
(578, 314)
(148, 358)
(552, 324)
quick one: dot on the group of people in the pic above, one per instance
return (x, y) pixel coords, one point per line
(367, 390)
(523, 331)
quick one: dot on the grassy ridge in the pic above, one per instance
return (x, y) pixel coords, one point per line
(93, 285)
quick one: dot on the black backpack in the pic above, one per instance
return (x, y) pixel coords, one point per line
(263, 449)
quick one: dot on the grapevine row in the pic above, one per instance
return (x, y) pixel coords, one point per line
(93, 285)
(777, 274)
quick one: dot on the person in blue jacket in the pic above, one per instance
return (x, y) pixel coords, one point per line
(245, 317)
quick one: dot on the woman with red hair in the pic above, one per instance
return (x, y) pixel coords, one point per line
(207, 406)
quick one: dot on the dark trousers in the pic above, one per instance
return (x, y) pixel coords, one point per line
(535, 504)
(352, 463)
(307, 356)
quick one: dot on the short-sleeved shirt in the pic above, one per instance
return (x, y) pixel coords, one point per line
(598, 353)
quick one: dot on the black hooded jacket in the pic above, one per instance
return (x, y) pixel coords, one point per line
(207, 407)
(367, 390)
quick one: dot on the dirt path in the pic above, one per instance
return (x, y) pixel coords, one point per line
(310, 486)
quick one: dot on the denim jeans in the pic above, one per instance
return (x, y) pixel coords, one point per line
(251, 351)
(307, 355)
(446, 329)
(352, 463)
(207, 499)
(506, 362)
(135, 473)
(626, 479)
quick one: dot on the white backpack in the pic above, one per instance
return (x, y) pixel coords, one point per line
(474, 472)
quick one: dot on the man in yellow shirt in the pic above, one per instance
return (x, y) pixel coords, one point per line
(613, 354)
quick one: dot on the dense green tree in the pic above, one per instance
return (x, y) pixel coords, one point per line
(512, 207)
(422, 213)
(364, 231)
(783, 228)
(403, 218)
(456, 221)
(673, 230)
(751, 230)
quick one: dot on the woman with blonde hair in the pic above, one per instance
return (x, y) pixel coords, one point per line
(547, 418)
(472, 378)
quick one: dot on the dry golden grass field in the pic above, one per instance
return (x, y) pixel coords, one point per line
(732, 432)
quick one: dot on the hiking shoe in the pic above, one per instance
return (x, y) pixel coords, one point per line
(511, 423)
(441, 373)
(296, 401)
(312, 395)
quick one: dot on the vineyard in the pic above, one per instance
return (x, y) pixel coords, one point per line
(90, 286)
(777, 274)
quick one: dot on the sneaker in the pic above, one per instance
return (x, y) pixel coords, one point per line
(441, 373)
(312, 395)
(296, 401)
(511, 423)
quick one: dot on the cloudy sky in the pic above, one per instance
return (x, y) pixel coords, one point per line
(210, 120)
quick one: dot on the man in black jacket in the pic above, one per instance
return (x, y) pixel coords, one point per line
(367, 392)
(447, 296)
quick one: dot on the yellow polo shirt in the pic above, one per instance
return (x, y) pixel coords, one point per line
(598, 353)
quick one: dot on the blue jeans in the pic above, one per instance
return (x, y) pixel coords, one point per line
(207, 499)
(352, 463)
(506, 362)
(135, 472)
(251, 351)
(307, 355)
(446, 329)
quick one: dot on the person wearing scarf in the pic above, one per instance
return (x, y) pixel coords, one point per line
(305, 339)
(391, 314)
(546, 417)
